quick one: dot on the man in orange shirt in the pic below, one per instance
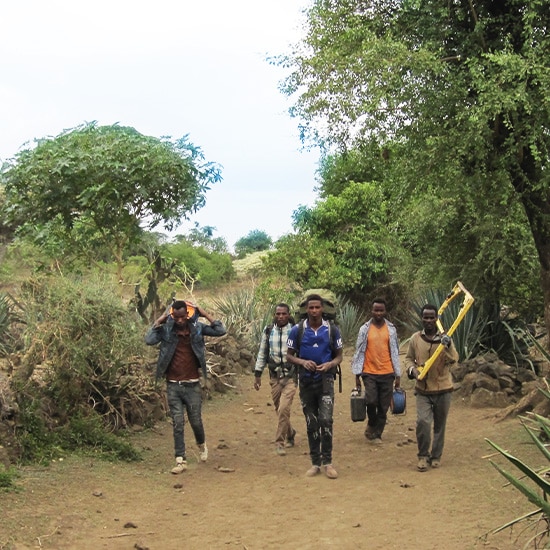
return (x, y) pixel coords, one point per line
(376, 361)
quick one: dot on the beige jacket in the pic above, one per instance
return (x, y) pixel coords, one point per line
(438, 379)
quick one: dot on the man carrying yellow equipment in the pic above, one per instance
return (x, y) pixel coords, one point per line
(429, 358)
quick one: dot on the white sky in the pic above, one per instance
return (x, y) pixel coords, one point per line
(166, 68)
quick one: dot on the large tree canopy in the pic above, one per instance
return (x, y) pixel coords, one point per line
(104, 182)
(460, 88)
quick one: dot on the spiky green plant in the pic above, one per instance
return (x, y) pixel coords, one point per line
(350, 319)
(533, 483)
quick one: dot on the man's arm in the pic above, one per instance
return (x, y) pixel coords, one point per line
(154, 334)
(216, 327)
(261, 360)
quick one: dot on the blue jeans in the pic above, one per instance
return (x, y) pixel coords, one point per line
(317, 399)
(431, 409)
(188, 397)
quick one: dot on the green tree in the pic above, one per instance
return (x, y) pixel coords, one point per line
(461, 87)
(345, 242)
(255, 241)
(204, 236)
(97, 184)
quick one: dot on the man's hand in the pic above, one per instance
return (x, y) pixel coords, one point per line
(257, 383)
(310, 365)
(397, 383)
(446, 340)
(161, 320)
(413, 373)
(323, 367)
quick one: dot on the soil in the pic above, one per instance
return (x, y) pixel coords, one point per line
(247, 497)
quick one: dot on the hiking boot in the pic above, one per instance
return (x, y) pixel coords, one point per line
(435, 463)
(203, 452)
(423, 464)
(290, 439)
(330, 471)
(280, 450)
(313, 471)
(181, 465)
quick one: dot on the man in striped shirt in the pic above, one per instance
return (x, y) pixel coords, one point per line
(272, 353)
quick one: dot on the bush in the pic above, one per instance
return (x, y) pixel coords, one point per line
(81, 374)
(532, 483)
(7, 478)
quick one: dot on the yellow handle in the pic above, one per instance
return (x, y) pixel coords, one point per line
(466, 305)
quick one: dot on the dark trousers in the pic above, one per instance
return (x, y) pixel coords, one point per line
(317, 399)
(378, 394)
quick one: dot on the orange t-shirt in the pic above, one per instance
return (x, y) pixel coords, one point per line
(377, 354)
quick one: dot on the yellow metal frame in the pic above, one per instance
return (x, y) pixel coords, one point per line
(459, 288)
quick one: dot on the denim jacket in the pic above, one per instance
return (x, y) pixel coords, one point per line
(361, 346)
(168, 339)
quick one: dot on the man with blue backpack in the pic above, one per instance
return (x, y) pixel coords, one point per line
(315, 347)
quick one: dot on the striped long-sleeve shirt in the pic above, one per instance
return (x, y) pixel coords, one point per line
(273, 348)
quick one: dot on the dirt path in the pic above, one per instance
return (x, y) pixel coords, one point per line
(379, 501)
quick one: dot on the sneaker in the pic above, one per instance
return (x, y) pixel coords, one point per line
(435, 463)
(281, 450)
(181, 466)
(369, 433)
(313, 471)
(376, 441)
(423, 464)
(203, 452)
(330, 471)
(290, 439)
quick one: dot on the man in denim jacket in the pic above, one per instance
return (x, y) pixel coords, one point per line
(181, 362)
(376, 362)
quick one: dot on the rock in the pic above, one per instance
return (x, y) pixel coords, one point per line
(487, 382)
(482, 397)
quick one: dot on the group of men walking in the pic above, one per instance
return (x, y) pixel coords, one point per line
(314, 345)
(304, 357)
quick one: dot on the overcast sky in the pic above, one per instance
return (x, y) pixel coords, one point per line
(167, 68)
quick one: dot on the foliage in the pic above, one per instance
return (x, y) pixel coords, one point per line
(457, 92)
(245, 315)
(255, 241)
(93, 185)
(531, 483)
(204, 237)
(206, 268)
(276, 289)
(344, 243)
(84, 433)
(5, 322)
(81, 374)
(8, 477)
(350, 319)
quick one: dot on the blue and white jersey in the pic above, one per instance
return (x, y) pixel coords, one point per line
(315, 345)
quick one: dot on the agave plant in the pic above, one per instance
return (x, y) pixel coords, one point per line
(537, 490)
(350, 319)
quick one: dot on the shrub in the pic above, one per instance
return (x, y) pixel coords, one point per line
(532, 483)
(7, 478)
(81, 375)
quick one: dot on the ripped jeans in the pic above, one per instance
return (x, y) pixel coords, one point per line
(317, 399)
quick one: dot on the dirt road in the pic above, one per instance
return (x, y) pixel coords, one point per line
(263, 501)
